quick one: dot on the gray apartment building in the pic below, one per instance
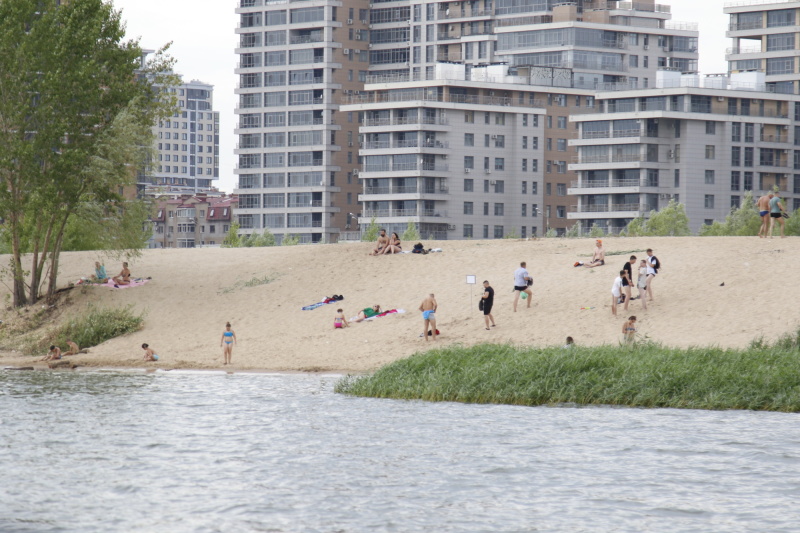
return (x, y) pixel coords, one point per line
(308, 166)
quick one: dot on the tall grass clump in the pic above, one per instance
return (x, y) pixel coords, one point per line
(644, 375)
(92, 327)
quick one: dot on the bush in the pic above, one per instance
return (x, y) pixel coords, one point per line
(290, 240)
(596, 232)
(742, 221)
(93, 327)
(671, 221)
(574, 231)
(371, 233)
(410, 234)
(232, 239)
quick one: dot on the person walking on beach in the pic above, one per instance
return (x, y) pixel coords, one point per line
(653, 265)
(428, 308)
(629, 330)
(627, 280)
(763, 212)
(226, 343)
(776, 211)
(149, 354)
(641, 283)
(488, 302)
(598, 257)
(616, 292)
(522, 283)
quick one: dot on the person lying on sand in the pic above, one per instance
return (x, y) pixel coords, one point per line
(53, 354)
(149, 354)
(368, 312)
(124, 277)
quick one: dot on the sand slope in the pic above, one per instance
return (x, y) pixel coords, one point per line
(194, 291)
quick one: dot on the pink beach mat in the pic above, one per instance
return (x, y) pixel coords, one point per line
(133, 283)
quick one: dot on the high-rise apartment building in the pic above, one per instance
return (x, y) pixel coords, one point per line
(702, 146)
(766, 38)
(187, 143)
(301, 171)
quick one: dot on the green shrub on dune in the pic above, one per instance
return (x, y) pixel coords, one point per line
(762, 377)
(91, 328)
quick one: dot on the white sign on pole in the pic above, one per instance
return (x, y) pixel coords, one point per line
(472, 280)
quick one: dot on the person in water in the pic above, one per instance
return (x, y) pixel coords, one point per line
(226, 342)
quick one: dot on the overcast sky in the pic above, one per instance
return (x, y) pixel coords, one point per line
(203, 40)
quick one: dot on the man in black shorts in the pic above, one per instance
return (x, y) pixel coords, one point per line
(627, 280)
(488, 302)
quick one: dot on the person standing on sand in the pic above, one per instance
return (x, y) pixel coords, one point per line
(522, 282)
(382, 242)
(653, 265)
(763, 212)
(488, 302)
(228, 339)
(428, 308)
(598, 257)
(776, 211)
(616, 292)
(629, 330)
(627, 280)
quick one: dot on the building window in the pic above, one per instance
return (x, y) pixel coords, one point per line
(561, 145)
(498, 230)
(485, 232)
(469, 139)
(524, 187)
(736, 156)
(561, 189)
(467, 231)
(748, 156)
(499, 209)
(561, 211)
(709, 177)
(709, 201)
(524, 142)
(534, 187)
(736, 202)
(524, 210)
(469, 162)
(468, 208)
(524, 165)
(736, 178)
(710, 151)
(486, 209)
(469, 185)
(736, 132)
(499, 163)
(562, 123)
(500, 186)
(711, 127)
(748, 181)
(500, 141)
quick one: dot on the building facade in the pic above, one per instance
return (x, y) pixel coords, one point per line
(766, 38)
(187, 143)
(703, 146)
(299, 167)
(191, 221)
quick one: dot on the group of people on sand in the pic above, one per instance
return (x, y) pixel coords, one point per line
(647, 270)
(770, 209)
(226, 342)
(387, 245)
(55, 352)
(100, 276)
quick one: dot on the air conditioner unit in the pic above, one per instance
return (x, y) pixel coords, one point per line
(720, 98)
(358, 36)
(666, 48)
(355, 172)
(451, 227)
(349, 21)
(670, 154)
(349, 143)
(370, 45)
(467, 171)
(665, 196)
(444, 156)
(346, 51)
(646, 47)
(487, 171)
(365, 21)
(786, 151)
(493, 183)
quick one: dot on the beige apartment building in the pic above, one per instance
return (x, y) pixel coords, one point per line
(191, 221)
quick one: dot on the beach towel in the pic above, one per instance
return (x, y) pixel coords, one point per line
(328, 300)
(138, 282)
(389, 312)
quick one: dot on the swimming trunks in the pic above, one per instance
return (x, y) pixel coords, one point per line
(775, 215)
(155, 357)
(487, 309)
(520, 288)
(428, 315)
(762, 213)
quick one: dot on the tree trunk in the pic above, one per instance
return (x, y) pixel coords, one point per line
(16, 263)
(55, 255)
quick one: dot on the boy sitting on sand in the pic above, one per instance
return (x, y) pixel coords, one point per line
(149, 354)
(53, 354)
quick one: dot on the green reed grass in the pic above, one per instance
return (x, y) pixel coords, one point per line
(90, 328)
(645, 375)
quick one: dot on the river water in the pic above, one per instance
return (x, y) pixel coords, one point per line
(206, 452)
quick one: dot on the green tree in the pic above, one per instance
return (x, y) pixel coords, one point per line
(410, 234)
(371, 233)
(596, 232)
(574, 231)
(232, 239)
(290, 240)
(265, 239)
(511, 235)
(793, 223)
(670, 221)
(742, 221)
(74, 106)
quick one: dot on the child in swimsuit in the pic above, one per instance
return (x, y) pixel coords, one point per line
(149, 354)
(55, 353)
(629, 329)
(340, 321)
(228, 338)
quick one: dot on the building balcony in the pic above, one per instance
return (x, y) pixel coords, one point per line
(607, 211)
(610, 187)
(386, 145)
(406, 168)
(379, 194)
(369, 214)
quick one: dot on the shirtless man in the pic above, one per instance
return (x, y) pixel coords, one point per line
(124, 277)
(598, 257)
(428, 308)
(383, 240)
(73, 348)
(763, 212)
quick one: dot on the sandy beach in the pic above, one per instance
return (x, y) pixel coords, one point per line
(193, 292)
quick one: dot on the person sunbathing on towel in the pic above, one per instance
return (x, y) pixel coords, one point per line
(368, 312)
(124, 277)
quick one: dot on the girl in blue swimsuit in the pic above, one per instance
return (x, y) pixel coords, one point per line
(226, 342)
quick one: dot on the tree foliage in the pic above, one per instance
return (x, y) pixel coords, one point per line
(670, 221)
(76, 106)
(371, 233)
(411, 233)
(290, 240)
(742, 221)
(232, 239)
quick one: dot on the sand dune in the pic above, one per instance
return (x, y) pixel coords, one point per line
(195, 291)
